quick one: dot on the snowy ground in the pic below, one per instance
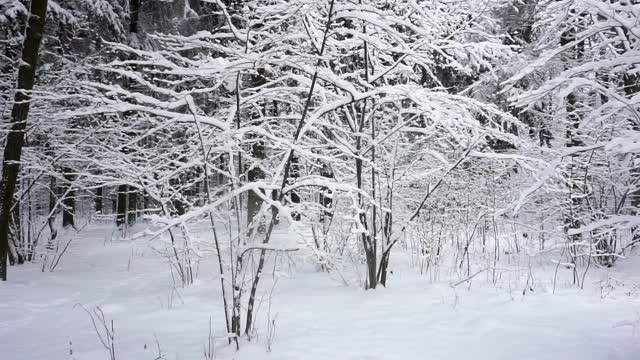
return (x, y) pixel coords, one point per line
(315, 316)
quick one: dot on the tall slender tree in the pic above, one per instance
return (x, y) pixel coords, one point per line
(19, 115)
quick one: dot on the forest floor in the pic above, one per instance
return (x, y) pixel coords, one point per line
(313, 316)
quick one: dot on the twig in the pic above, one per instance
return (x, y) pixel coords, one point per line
(470, 277)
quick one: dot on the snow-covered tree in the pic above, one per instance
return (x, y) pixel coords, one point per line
(587, 51)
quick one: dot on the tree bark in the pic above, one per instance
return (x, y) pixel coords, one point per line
(122, 205)
(631, 89)
(134, 15)
(572, 217)
(53, 232)
(132, 202)
(69, 201)
(98, 200)
(293, 195)
(19, 115)
(325, 195)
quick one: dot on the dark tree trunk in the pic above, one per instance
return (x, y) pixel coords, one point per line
(365, 238)
(30, 245)
(122, 205)
(69, 201)
(17, 239)
(367, 244)
(134, 15)
(19, 115)
(114, 204)
(631, 89)
(132, 202)
(325, 195)
(146, 202)
(53, 232)
(124, 201)
(98, 200)
(294, 196)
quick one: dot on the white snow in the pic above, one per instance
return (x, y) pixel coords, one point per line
(315, 316)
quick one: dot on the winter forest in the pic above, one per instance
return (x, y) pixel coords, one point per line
(320, 179)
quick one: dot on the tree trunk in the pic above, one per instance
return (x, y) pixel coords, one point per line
(53, 232)
(122, 205)
(325, 195)
(293, 195)
(19, 115)
(17, 239)
(134, 15)
(98, 200)
(631, 89)
(69, 201)
(577, 53)
(572, 217)
(132, 202)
